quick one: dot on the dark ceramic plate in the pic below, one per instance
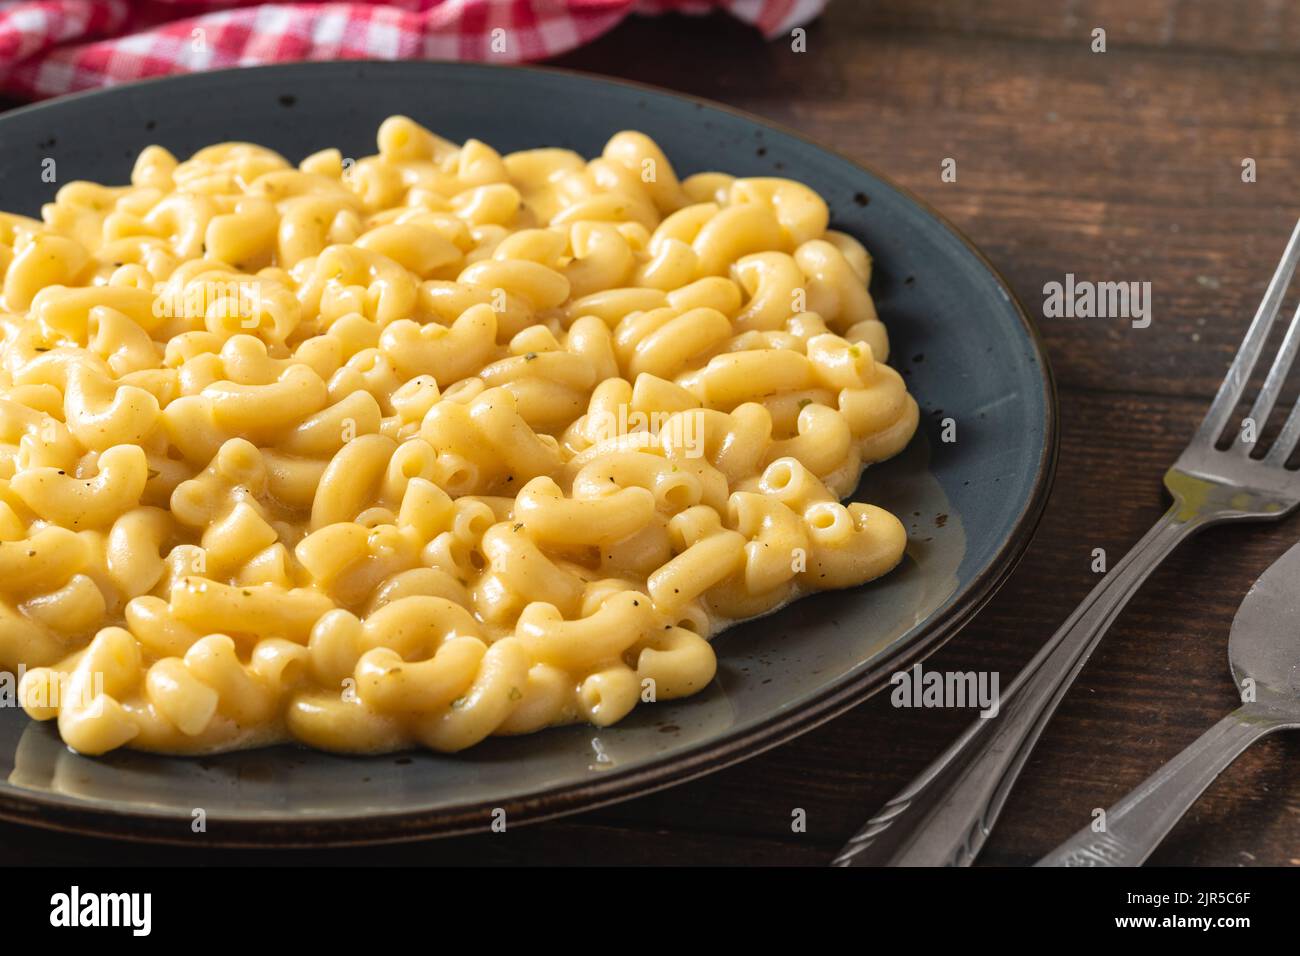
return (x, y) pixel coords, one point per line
(968, 349)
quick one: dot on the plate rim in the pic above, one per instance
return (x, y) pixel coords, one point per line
(73, 815)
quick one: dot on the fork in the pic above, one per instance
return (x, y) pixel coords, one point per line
(943, 817)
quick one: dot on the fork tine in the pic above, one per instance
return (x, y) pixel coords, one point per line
(1289, 437)
(1285, 442)
(1234, 383)
(1277, 375)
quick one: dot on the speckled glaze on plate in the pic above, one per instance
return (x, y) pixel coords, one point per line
(966, 346)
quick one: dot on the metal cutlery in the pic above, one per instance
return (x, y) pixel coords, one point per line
(1264, 656)
(945, 815)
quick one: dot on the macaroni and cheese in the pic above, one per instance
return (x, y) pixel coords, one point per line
(427, 446)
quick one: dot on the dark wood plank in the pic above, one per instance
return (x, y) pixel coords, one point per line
(1243, 26)
(561, 842)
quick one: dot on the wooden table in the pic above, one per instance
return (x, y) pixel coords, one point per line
(1116, 166)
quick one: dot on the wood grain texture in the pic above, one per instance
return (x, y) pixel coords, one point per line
(1117, 166)
(1241, 26)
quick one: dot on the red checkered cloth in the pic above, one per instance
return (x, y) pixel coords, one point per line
(49, 47)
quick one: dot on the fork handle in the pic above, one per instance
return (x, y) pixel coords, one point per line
(943, 817)
(1136, 825)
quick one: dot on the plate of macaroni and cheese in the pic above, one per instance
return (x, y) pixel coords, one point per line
(393, 448)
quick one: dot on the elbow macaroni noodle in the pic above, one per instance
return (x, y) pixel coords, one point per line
(426, 447)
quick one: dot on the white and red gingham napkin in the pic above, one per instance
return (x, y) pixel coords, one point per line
(49, 47)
